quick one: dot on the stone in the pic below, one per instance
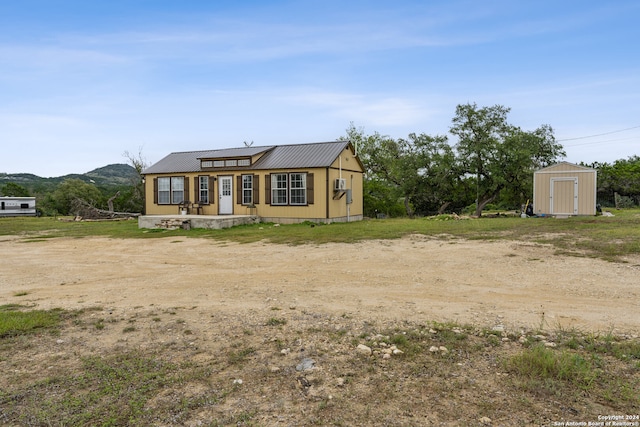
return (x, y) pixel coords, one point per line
(485, 420)
(285, 351)
(363, 349)
(386, 356)
(443, 349)
(397, 352)
(550, 344)
(433, 349)
(305, 365)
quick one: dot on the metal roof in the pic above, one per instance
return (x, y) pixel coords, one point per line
(320, 154)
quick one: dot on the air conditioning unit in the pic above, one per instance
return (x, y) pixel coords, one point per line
(340, 184)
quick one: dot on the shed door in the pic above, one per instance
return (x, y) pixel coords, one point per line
(564, 196)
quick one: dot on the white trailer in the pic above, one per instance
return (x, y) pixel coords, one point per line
(17, 206)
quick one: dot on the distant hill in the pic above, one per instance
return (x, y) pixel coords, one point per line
(111, 175)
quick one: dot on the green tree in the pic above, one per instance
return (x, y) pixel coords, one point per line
(63, 197)
(415, 170)
(500, 157)
(14, 190)
(621, 177)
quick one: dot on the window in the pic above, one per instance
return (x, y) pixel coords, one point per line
(218, 163)
(279, 188)
(291, 189)
(203, 189)
(244, 162)
(170, 190)
(231, 162)
(164, 191)
(206, 164)
(298, 188)
(247, 189)
(177, 189)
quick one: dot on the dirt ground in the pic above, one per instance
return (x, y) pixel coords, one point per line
(518, 285)
(246, 317)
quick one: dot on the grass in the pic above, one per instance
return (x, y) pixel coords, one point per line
(14, 321)
(609, 238)
(155, 385)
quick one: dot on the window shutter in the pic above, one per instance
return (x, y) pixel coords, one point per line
(212, 192)
(196, 189)
(239, 190)
(155, 191)
(267, 189)
(309, 188)
(256, 189)
(186, 189)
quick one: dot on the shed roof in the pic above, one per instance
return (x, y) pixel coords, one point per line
(564, 167)
(320, 154)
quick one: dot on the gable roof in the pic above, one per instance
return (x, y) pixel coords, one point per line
(566, 166)
(314, 155)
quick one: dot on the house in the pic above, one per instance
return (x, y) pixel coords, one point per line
(564, 189)
(319, 182)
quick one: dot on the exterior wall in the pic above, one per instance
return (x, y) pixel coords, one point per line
(564, 189)
(323, 208)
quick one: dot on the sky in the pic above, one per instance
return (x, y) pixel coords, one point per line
(83, 82)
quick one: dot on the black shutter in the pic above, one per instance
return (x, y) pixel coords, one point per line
(309, 188)
(239, 190)
(186, 189)
(155, 191)
(256, 189)
(267, 189)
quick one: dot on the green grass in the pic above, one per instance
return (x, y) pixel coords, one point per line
(14, 321)
(609, 238)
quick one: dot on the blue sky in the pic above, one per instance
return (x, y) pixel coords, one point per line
(81, 82)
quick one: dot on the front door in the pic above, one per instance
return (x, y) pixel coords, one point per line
(226, 195)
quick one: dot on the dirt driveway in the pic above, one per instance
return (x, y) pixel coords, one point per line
(520, 286)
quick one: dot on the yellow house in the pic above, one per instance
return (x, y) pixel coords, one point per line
(320, 182)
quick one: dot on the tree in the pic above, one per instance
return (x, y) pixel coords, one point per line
(622, 178)
(416, 168)
(14, 190)
(139, 163)
(498, 155)
(70, 190)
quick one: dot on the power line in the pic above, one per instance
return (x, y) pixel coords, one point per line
(598, 142)
(600, 134)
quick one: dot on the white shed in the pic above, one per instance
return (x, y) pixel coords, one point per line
(564, 189)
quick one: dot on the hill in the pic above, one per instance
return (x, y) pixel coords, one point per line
(111, 175)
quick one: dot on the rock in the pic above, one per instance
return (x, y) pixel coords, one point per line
(386, 356)
(237, 381)
(485, 420)
(498, 328)
(433, 349)
(340, 382)
(363, 349)
(305, 365)
(285, 351)
(549, 344)
(274, 369)
(432, 331)
(397, 352)
(443, 349)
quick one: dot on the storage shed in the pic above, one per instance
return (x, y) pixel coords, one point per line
(564, 189)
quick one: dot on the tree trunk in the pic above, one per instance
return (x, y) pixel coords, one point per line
(480, 206)
(110, 201)
(444, 206)
(407, 207)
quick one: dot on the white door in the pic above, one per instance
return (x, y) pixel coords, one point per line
(226, 195)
